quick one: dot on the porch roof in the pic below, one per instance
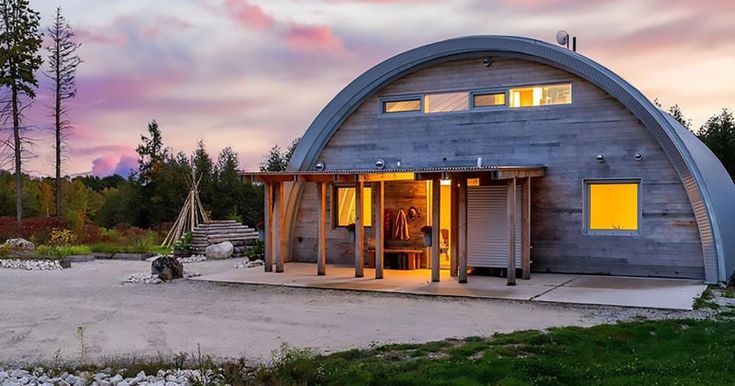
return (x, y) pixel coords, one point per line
(494, 172)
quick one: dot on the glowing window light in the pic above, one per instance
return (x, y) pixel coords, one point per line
(346, 206)
(613, 206)
(558, 94)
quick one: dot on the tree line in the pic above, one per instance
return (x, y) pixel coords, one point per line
(20, 60)
(152, 196)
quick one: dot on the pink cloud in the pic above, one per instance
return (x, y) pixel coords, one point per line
(109, 165)
(164, 23)
(303, 38)
(96, 37)
(248, 15)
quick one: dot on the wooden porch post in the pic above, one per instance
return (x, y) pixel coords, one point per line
(462, 230)
(359, 231)
(268, 227)
(378, 225)
(281, 240)
(453, 231)
(436, 189)
(526, 228)
(321, 249)
(511, 209)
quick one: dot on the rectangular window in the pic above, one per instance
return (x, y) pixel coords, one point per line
(345, 206)
(613, 207)
(441, 103)
(488, 99)
(558, 94)
(402, 106)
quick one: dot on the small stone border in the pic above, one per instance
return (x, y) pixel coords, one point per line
(32, 265)
(39, 376)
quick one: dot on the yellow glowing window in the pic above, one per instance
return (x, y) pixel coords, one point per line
(441, 103)
(402, 106)
(558, 94)
(488, 100)
(613, 207)
(345, 209)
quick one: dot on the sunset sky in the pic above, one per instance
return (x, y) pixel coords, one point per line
(253, 74)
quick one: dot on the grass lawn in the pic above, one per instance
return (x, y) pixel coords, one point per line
(679, 352)
(673, 352)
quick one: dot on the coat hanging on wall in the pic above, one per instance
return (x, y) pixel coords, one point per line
(400, 226)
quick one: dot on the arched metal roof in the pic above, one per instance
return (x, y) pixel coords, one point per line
(710, 189)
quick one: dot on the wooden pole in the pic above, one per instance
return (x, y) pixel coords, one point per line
(526, 228)
(281, 207)
(378, 226)
(359, 231)
(435, 228)
(453, 229)
(321, 250)
(268, 227)
(462, 230)
(511, 209)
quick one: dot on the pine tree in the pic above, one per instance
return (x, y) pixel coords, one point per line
(20, 42)
(63, 63)
(718, 133)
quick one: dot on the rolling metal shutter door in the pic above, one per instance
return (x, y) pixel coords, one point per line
(487, 227)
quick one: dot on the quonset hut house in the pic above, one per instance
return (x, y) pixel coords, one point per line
(500, 154)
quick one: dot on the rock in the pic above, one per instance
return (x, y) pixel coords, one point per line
(250, 264)
(116, 379)
(20, 244)
(141, 376)
(222, 250)
(167, 268)
(72, 380)
(123, 383)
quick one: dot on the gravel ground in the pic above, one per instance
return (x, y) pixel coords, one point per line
(41, 311)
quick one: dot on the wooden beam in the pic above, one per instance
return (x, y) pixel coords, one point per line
(389, 176)
(378, 192)
(526, 228)
(321, 249)
(511, 209)
(281, 240)
(359, 231)
(453, 231)
(268, 227)
(462, 230)
(436, 189)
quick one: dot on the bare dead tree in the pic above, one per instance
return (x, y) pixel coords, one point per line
(63, 62)
(20, 42)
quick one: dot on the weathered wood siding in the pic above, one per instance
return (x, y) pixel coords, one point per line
(340, 247)
(565, 138)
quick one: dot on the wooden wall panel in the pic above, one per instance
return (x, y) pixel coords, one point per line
(566, 138)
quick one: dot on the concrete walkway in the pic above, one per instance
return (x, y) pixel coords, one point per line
(672, 294)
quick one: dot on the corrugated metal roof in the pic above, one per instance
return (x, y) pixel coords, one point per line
(449, 169)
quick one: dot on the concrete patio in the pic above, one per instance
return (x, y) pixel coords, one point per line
(674, 294)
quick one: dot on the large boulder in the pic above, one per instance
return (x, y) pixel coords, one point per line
(167, 268)
(222, 250)
(20, 245)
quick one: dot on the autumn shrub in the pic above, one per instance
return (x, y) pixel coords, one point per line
(34, 229)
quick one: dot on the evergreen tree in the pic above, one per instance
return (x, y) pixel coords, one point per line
(63, 62)
(718, 133)
(677, 114)
(20, 42)
(151, 153)
(204, 168)
(274, 161)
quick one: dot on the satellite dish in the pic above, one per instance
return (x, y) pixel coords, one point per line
(562, 37)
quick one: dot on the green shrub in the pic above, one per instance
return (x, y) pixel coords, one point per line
(257, 251)
(48, 251)
(183, 245)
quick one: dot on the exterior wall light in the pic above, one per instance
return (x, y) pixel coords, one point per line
(600, 157)
(638, 157)
(380, 164)
(319, 166)
(487, 62)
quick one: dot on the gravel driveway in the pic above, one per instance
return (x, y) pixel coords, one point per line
(40, 312)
